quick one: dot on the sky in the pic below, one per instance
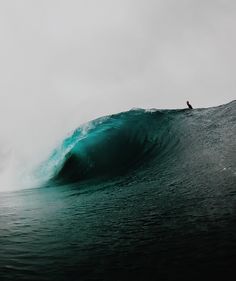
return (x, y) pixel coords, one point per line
(64, 62)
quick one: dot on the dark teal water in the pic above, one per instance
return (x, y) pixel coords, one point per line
(135, 196)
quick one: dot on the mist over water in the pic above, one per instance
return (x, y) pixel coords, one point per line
(30, 131)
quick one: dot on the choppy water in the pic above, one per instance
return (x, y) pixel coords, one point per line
(141, 195)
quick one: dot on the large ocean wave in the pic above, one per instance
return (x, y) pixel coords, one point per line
(146, 141)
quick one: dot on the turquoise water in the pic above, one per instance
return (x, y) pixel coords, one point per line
(140, 195)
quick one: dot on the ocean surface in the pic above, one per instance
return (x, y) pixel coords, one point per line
(140, 195)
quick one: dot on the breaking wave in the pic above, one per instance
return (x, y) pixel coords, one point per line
(142, 140)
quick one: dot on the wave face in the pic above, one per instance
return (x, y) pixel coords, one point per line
(145, 141)
(109, 146)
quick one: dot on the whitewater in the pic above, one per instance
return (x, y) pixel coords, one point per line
(138, 195)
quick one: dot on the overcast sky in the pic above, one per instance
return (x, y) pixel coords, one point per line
(65, 62)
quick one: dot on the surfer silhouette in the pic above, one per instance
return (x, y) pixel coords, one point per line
(189, 105)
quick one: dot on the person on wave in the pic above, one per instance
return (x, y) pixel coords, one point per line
(189, 105)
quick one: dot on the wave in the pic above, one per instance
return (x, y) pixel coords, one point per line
(129, 141)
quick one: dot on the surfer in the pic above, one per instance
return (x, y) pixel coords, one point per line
(189, 105)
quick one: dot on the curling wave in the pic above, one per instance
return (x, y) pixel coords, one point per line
(118, 144)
